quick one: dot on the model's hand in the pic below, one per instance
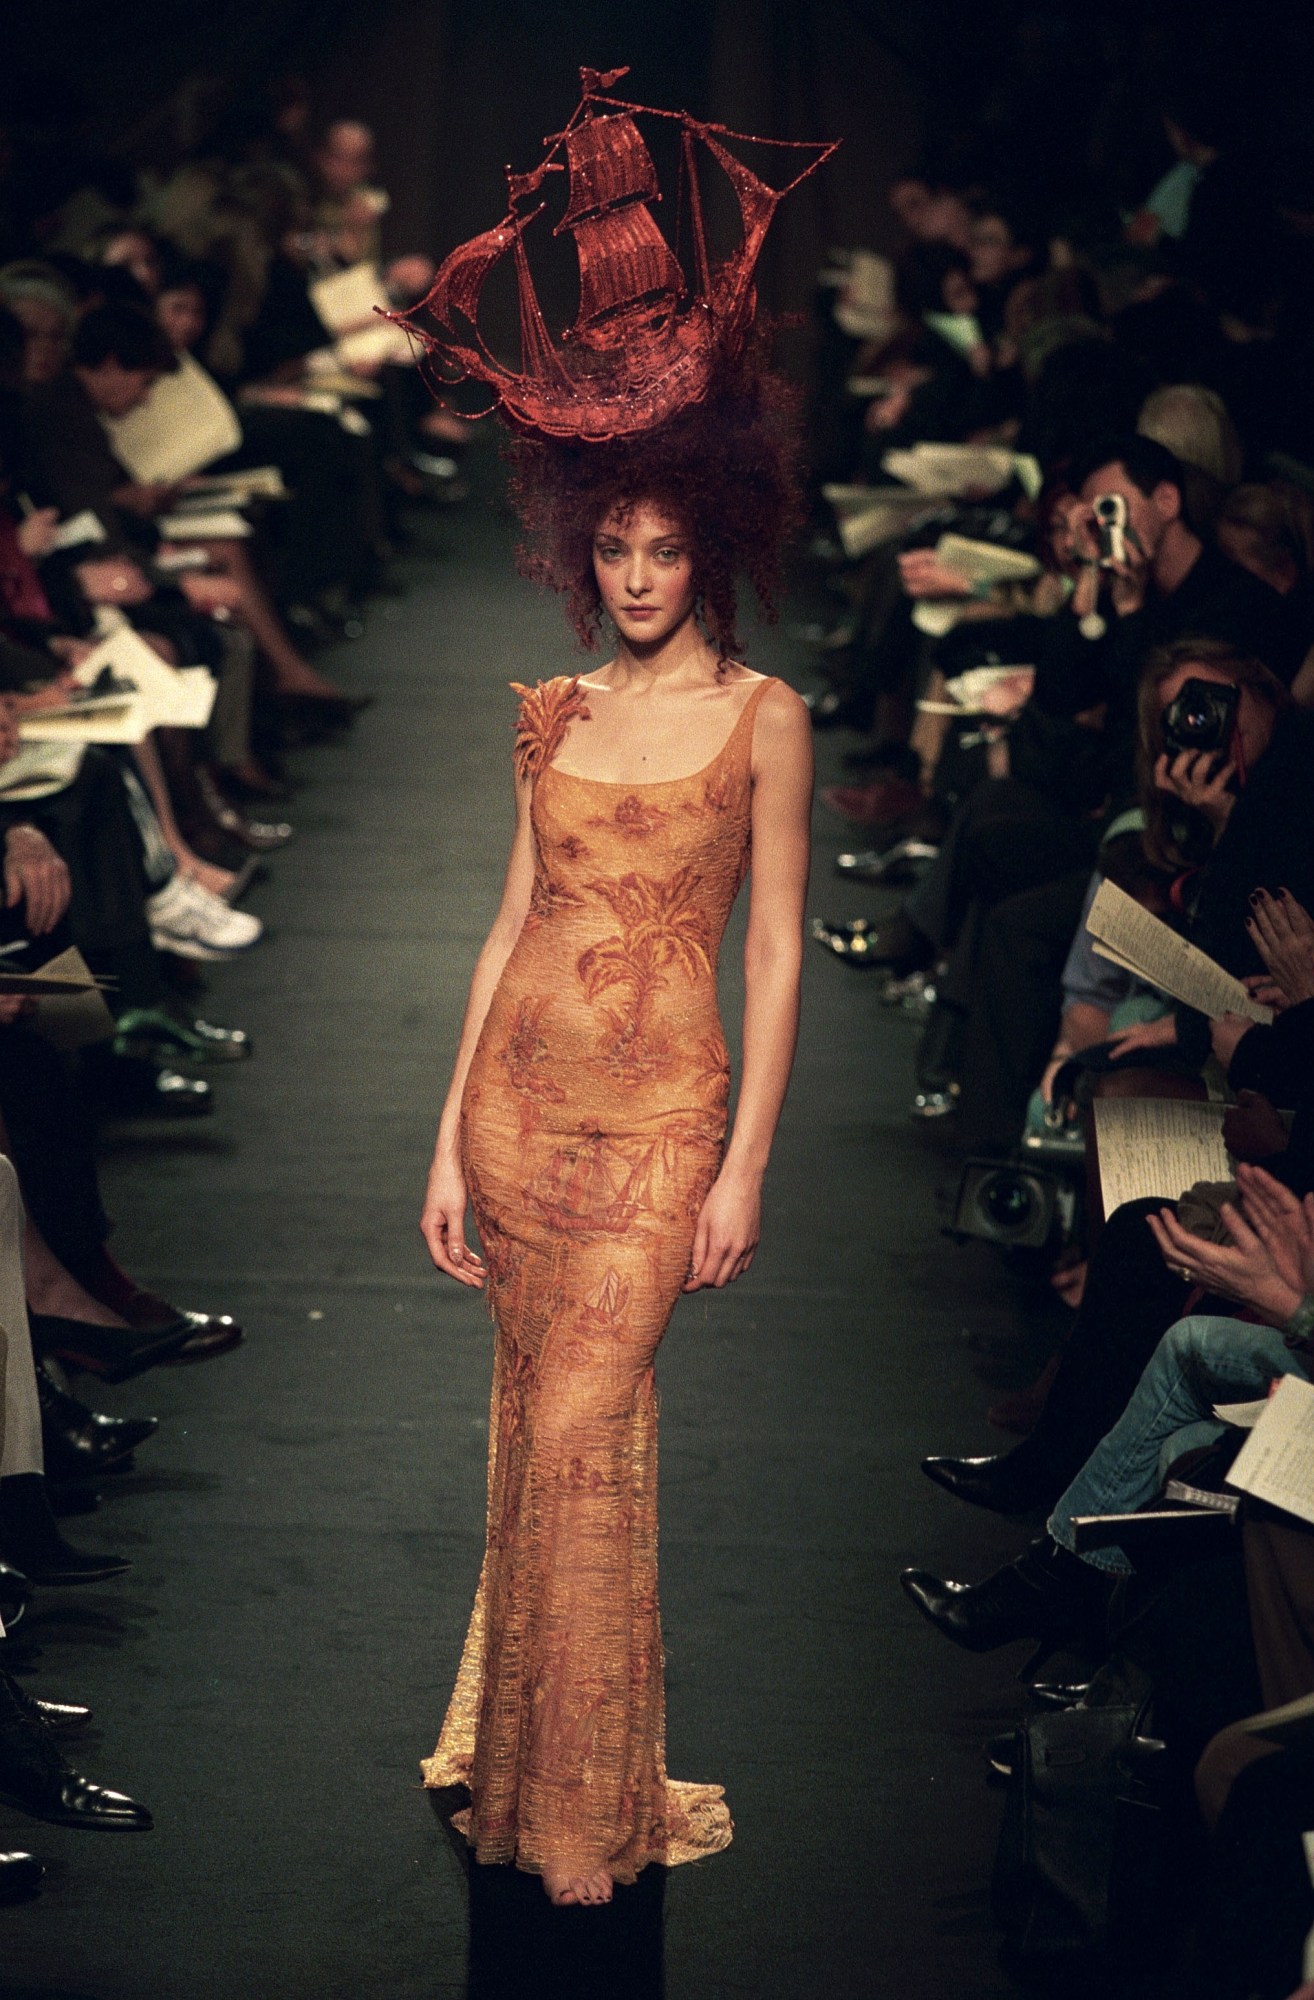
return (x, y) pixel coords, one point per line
(35, 875)
(728, 1232)
(442, 1225)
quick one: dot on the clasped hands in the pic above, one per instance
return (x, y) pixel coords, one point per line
(1269, 1263)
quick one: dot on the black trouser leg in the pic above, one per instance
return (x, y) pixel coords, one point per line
(91, 824)
(1015, 1006)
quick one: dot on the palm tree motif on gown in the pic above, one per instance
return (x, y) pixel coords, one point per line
(659, 931)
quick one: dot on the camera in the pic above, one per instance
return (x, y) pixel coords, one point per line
(1201, 717)
(1021, 1206)
(1110, 512)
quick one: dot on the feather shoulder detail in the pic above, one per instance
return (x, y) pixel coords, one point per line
(546, 713)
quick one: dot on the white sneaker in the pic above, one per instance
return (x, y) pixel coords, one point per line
(190, 921)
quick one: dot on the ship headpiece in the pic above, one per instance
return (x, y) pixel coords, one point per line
(648, 339)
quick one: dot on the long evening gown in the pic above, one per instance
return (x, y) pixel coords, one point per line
(593, 1122)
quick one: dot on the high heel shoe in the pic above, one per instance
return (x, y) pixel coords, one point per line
(79, 1443)
(1006, 1483)
(114, 1353)
(30, 1537)
(1048, 1595)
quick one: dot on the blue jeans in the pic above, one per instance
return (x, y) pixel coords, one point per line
(1199, 1362)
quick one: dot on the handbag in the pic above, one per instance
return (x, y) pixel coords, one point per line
(1072, 1808)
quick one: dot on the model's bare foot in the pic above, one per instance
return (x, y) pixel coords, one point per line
(564, 1886)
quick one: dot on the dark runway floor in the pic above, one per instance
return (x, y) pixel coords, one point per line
(305, 1530)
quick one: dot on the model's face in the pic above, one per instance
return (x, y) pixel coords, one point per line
(643, 561)
(180, 316)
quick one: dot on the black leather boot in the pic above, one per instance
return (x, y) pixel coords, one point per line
(37, 1779)
(20, 1877)
(30, 1537)
(63, 1718)
(1011, 1482)
(1048, 1595)
(79, 1443)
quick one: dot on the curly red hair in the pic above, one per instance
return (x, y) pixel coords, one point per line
(727, 468)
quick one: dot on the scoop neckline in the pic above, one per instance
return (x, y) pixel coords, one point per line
(654, 784)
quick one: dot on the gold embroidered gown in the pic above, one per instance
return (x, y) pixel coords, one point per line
(592, 1127)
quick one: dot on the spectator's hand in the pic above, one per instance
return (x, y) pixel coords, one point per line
(922, 574)
(71, 651)
(1160, 1034)
(56, 693)
(1191, 776)
(1225, 1033)
(147, 496)
(1283, 1221)
(1254, 1268)
(15, 1007)
(35, 876)
(36, 535)
(1266, 990)
(1253, 1129)
(210, 593)
(1283, 935)
(113, 580)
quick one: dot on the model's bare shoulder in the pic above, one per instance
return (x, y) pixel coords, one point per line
(783, 722)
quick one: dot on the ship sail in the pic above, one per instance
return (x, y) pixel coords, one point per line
(624, 260)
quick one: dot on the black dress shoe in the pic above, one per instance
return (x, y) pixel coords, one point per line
(20, 1877)
(37, 1779)
(15, 1594)
(63, 1717)
(133, 1086)
(1006, 1483)
(1048, 1594)
(1059, 1694)
(114, 1353)
(210, 1334)
(79, 1443)
(30, 1538)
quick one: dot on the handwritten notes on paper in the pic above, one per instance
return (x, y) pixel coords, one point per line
(1157, 1146)
(1276, 1462)
(1140, 943)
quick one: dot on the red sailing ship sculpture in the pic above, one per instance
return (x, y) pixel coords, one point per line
(647, 340)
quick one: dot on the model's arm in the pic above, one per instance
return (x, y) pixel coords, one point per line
(730, 1222)
(442, 1220)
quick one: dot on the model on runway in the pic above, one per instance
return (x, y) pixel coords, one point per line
(586, 1120)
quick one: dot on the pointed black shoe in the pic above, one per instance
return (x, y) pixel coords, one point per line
(114, 1353)
(30, 1538)
(20, 1877)
(79, 1443)
(1047, 1595)
(62, 1718)
(1006, 1483)
(37, 1779)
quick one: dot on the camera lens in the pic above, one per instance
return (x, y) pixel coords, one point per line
(1009, 1200)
